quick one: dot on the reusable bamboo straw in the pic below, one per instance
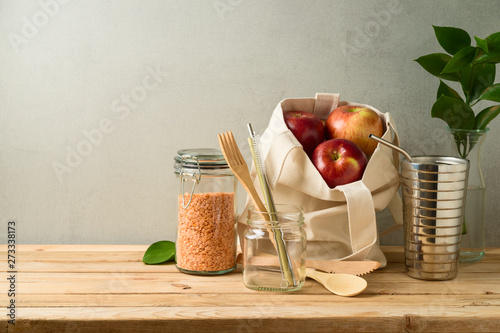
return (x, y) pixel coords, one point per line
(284, 259)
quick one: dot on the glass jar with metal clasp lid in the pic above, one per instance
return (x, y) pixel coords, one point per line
(207, 209)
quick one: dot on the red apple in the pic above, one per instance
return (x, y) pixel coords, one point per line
(307, 128)
(339, 162)
(355, 123)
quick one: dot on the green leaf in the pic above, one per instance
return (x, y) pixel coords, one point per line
(487, 58)
(482, 77)
(484, 117)
(482, 44)
(463, 58)
(446, 90)
(492, 54)
(491, 93)
(454, 112)
(452, 39)
(434, 63)
(466, 81)
(474, 79)
(159, 252)
(493, 41)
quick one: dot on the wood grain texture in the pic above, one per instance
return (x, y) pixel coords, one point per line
(88, 288)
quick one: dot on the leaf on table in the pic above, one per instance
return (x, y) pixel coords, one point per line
(454, 112)
(452, 39)
(484, 117)
(434, 63)
(159, 252)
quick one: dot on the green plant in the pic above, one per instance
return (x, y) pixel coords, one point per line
(474, 69)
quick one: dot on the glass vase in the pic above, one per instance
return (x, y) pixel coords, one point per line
(468, 144)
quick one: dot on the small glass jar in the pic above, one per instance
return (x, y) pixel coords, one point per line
(274, 249)
(206, 206)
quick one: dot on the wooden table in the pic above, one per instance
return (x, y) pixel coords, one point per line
(106, 288)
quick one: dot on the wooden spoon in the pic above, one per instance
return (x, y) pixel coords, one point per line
(339, 284)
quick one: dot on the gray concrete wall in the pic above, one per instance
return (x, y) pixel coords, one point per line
(125, 84)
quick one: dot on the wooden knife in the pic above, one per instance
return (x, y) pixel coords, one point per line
(329, 266)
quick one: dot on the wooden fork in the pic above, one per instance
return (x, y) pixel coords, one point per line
(237, 164)
(239, 167)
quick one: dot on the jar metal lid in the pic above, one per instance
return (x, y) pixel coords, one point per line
(192, 164)
(204, 159)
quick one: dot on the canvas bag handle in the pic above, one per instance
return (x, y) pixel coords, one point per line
(361, 218)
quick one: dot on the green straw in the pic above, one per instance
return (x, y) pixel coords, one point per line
(284, 259)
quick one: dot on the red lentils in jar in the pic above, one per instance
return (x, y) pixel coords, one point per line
(206, 233)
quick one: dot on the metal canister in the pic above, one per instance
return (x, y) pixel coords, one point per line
(434, 190)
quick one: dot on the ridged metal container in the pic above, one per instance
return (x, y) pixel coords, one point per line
(434, 189)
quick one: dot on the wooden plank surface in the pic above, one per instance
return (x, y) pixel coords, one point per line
(107, 288)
